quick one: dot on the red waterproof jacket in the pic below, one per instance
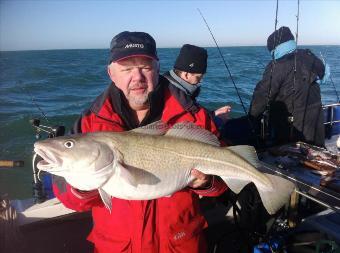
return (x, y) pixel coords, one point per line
(168, 224)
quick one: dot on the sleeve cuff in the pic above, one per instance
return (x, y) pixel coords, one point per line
(218, 186)
(84, 194)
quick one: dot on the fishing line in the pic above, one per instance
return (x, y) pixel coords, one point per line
(225, 64)
(34, 103)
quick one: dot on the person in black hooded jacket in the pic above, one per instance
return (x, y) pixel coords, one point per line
(290, 92)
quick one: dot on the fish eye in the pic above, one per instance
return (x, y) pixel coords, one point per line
(69, 144)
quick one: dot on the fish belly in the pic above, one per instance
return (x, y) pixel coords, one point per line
(154, 173)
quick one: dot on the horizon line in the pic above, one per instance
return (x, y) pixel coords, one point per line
(56, 49)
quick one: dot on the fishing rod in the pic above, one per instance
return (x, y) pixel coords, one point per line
(11, 164)
(39, 191)
(291, 118)
(225, 64)
(52, 131)
(336, 92)
(297, 22)
(250, 123)
(331, 79)
(34, 122)
(264, 121)
(276, 14)
(296, 41)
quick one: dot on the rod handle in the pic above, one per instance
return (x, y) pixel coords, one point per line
(11, 164)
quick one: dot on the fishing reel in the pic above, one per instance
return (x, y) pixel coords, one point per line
(42, 182)
(52, 132)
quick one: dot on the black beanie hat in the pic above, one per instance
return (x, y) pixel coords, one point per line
(278, 37)
(192, 59)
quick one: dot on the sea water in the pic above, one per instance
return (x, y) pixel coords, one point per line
(60, 84)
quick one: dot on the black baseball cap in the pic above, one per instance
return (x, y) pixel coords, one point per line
(128, 44)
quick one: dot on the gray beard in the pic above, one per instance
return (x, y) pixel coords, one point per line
(139, 101)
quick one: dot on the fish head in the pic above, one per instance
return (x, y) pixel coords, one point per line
(73, 153)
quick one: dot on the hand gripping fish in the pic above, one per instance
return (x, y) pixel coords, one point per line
(155, 161)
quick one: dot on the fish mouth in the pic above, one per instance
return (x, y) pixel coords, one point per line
(50, 162)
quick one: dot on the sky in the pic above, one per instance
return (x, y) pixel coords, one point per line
(86, 24)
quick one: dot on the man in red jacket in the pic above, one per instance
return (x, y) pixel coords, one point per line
(139, 96)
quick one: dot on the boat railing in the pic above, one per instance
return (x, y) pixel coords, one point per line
(331, 114)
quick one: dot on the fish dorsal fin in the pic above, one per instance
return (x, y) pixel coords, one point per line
(184, 130)
(190, 131)
(155, 128)
(248, 153)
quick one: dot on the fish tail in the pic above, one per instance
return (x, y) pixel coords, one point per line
(273, 196)
(277, 196)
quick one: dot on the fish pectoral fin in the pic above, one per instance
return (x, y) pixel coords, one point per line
(190, 131)
(136, 176)
(248, 153)
(106, 198)
(235, 184)
(155, 128)
(126, 175)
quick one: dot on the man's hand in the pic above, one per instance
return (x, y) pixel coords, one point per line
(201, 180)
(223, 113)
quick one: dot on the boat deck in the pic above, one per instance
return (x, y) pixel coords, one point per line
(309, 184)
(65, 234)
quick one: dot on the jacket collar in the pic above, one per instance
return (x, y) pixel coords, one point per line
(283, 49)
(112, 101)
(188, 88)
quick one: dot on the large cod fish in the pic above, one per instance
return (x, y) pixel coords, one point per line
(155, 161)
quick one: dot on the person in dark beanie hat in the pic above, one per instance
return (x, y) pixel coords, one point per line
(136, 97)
(187, 73)
(290, 89)
(283, 34)
(192, 59)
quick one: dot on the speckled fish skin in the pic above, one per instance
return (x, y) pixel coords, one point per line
(148, 167)
(169, 161)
